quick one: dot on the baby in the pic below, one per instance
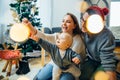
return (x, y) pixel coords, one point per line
(63, 57)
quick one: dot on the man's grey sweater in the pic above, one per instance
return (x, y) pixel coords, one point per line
(100, 48)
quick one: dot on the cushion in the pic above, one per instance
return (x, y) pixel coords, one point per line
(10, 54)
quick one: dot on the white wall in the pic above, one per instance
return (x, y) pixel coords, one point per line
(51, 12)
(61, 7)
(45, 12)
(5, 17)
(5, 13)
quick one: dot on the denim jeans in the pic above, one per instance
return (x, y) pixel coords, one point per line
(67, 76)
(46, 74)
(88, 68)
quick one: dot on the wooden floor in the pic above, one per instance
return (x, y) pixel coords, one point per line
(35, 66)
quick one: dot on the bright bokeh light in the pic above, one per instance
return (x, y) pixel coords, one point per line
(101, 75)
(94, 24)
(83, 6)
(19, 32)
(23, 78)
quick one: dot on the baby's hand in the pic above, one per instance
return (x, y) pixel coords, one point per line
(76, 60)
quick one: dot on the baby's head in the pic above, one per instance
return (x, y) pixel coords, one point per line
(64, 41)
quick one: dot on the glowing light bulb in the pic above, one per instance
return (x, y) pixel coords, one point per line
(19, 32)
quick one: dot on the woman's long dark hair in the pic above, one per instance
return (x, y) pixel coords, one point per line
(77, 29)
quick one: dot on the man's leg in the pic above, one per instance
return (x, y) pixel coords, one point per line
(87, 69)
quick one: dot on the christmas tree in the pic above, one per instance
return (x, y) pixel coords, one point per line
(26, 9)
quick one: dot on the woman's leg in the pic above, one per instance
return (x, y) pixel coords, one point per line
(67, 76)
(45, 73)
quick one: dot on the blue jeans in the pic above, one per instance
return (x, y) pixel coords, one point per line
(46, 74)
(67, 76)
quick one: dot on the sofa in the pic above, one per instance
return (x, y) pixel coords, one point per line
(52, 30)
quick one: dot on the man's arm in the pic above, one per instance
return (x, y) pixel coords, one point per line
(112, 75)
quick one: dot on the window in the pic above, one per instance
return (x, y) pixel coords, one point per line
(115, 13)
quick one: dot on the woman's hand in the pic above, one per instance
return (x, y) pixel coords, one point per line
(26, 22)
(76, 60)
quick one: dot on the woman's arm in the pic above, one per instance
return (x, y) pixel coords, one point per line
(78, 46)
(34, 31)
(49, 37)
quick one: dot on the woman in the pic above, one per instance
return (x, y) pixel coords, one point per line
(99, 46)
(70, 25)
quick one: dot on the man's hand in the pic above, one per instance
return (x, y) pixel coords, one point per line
(76, 60)
(112, 75)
